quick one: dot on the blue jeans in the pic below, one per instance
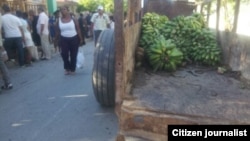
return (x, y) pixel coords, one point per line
(14, 46)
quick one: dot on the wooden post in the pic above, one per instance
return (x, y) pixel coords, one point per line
(236, 15)
(22, 5)
(218, 14)
(202, 6)
(145, 4)
(218, 20)
(119, 54)
(208, 12)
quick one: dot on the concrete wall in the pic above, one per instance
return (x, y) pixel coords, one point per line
(236, 53)
(169, 8)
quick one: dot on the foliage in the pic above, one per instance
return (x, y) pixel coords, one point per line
(91, 5)
(228, 7)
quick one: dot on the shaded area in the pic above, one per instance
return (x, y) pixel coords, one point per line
(194, 92)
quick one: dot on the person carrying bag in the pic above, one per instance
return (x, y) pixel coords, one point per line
(69, 39)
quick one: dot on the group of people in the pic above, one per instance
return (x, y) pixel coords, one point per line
(24, 31)
(71, 33)
(92, 25)
(18, 39)
(100, 21)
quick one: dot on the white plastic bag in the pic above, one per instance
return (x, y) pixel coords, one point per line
(80, 59)
(34, 53)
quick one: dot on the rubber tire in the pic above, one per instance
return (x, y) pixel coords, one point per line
(103, 73)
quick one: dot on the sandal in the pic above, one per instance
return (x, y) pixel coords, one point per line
(67, 72)
(7, 87)
(72, 73)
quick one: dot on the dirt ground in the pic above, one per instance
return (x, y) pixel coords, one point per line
(194, 91)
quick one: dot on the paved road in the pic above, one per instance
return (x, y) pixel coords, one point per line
(46, 105)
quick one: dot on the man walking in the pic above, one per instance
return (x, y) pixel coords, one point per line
(14, 35)
(4, 70)
(43, 31)
(100, 21)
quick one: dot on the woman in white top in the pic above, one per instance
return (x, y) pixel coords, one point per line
(68, 37)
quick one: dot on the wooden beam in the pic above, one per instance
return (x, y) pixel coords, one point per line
(218, 14)
(208, 12)
(236, 15)
(119, 54)
(202, 6)
(218, 20)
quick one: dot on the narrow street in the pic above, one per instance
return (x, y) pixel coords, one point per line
(46, 105)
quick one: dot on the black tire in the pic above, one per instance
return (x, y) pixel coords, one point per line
(103, 73)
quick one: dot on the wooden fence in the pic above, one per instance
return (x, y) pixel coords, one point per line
(22, 5)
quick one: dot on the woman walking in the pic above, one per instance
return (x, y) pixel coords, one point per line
(69, 38)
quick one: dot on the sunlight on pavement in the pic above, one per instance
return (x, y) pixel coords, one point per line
(50, 98)
(75, 96)
(19, 124)
(16, 124)
(101, 114)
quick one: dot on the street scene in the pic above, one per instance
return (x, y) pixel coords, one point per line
(46, 105)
